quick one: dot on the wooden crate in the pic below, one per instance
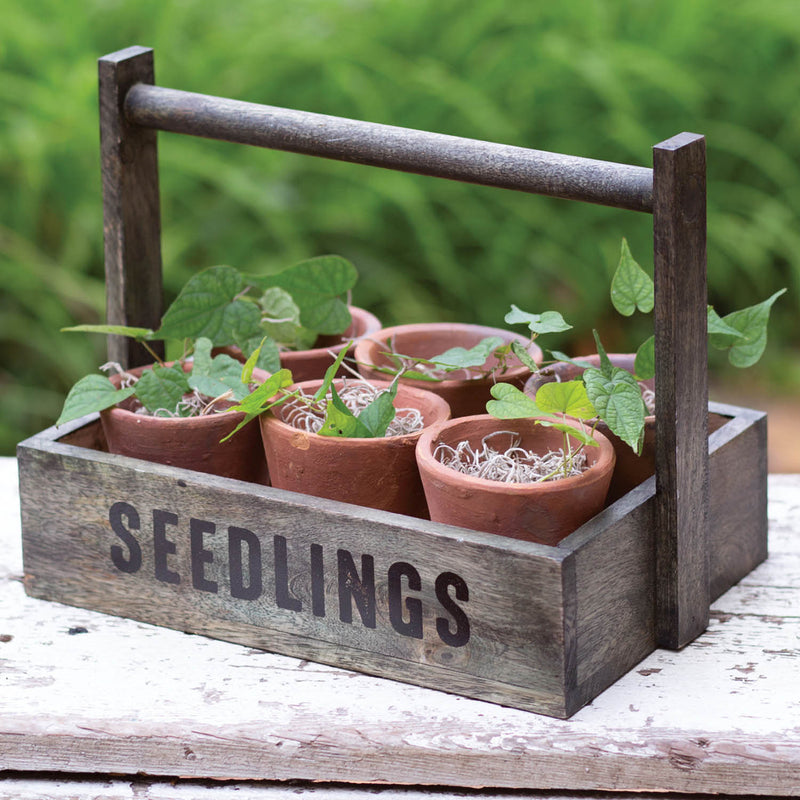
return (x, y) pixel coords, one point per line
(539, 628)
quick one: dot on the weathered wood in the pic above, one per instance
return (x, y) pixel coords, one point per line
(295, 574)
(681, 513)
(548, 628)
(132, 699)
(131, 212)
(422, 152)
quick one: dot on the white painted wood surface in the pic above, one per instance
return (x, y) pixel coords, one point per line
(81, 692)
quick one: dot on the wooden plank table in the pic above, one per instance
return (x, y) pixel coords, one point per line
(86, 699)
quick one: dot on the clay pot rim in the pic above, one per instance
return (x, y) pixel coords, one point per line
(650, 418)
(511, 374)
(167, 422)
(439, 404)
(605, 461)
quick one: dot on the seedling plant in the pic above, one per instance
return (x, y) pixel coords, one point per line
(262, 315)
(610, 393)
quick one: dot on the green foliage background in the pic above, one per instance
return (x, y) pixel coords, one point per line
(586, 77)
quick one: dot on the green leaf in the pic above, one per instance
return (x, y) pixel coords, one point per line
(262, 398)
(520, 350)
(378, 415)
(161, 388)
(546, 322)
(201, 357)
(265, 350)
(751, 323)
(567, 397)
(316, 286)
(559, 356)
(218, 376)
(116, 330)
(341, 422)
(280, 318)
(606, 367)
(330, 374)
(644, 365)
(721, 335)
(582, 436)
(460, 358)
(631, 286)
(211, 305)
(511, 402)
(618, 400)
(90, 394)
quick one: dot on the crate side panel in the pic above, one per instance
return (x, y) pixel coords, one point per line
(737, 499)
(245, 564)
(615, 584)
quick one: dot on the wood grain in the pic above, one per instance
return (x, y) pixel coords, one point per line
(131, 208)
(547, 629)
(79, 548)
(681, 513)
(87, 692)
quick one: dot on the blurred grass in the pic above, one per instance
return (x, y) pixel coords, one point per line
(584, 77)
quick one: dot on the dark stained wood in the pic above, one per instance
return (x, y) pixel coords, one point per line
(681, 513)
(405, 149)
(737, 496)
(131, 214)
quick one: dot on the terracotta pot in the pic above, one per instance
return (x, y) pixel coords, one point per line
(308, 365)
(423, 340)
(377, 473)
(187, 442)
(536, 512)
(631, 469)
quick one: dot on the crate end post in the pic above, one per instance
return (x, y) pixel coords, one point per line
(682, 494)
(131, 209)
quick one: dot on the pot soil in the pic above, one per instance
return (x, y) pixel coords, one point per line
(631, 469)
(542, 512)
(377, 473)
(465, 396)
(187, 442)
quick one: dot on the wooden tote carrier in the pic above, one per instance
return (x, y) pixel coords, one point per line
(540, 628)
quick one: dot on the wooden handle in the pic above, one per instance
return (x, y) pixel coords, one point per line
(132, 109)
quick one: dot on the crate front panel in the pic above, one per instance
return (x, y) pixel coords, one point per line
(292, 574)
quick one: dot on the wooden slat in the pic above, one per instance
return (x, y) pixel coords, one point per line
(84, 692)
(80, 506)
(131, 213)
(679, 233)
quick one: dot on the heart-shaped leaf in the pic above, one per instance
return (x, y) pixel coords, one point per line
(160, 389)
(512, 403)
(751, 323)
(460, 358)
(91, 394)
(618, 400)
(567, 397)
(317, 286)
(546, 322)
(218, 376)
(631, 286)
(378, 415)
(211, 305)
